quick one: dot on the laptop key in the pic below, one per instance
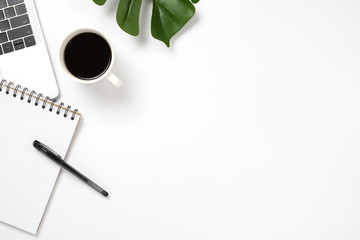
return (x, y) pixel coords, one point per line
(8, 47)
(13, 2)
(1, 52)
(29, 41)
(9, 12)
(19, 44)
(2, 16)
(4, 25)
(3, 38)
(19, 32)
(3, 4)
(20, 9)
(19, 21)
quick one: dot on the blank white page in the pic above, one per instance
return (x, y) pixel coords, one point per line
(27, 177)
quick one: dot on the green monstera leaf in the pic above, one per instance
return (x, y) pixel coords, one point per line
(127, 16)
(99, 2)
(168, 16)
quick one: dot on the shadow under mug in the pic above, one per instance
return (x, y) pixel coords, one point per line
(78, 52)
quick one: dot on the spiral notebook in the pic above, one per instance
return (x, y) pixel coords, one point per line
(27, 177)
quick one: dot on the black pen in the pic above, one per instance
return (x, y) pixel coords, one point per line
(57, 158)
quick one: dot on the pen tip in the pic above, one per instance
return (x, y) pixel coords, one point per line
(105, 193)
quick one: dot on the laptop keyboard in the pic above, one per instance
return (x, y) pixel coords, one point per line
(15, 29)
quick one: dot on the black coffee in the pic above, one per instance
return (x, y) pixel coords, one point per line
(87, 56)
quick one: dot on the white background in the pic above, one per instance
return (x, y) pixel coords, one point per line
(246, 128)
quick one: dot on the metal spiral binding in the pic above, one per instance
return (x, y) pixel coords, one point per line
(31, 95)
(23, 92)
(67, 110)
(2, 83)
(52, 105)
(37, 96)
(74, 113)
(8, 87)
(45, 101)
(16, 89)
(59, 108)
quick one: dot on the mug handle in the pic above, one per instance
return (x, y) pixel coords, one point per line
(115, 80)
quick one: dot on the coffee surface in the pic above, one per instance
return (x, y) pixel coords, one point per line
(87, 56)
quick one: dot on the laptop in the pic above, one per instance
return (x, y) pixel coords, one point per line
(24, 58)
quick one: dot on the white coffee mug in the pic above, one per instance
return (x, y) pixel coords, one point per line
(108, 74)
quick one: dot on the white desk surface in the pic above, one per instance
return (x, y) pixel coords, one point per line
(246, 128)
